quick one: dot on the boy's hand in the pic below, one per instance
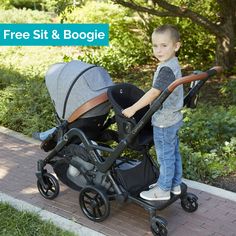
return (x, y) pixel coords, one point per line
(128, 112)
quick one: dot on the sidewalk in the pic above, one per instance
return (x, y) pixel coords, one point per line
(215, 215)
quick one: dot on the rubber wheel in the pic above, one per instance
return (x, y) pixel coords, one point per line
(189, 203)
(94, 203)
(51, 188)
(158, 227)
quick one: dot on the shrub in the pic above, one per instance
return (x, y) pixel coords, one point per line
(208, 127)
(206, 167)
(25, 106)
(208, 143)
(228, 91)
(24, 16)
(55, 6)
(129, 45)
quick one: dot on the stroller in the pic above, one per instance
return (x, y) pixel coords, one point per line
(89, 156)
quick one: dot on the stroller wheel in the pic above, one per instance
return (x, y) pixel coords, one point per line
(94, 203)
(189, 202)
(50, 190)
(158, 226)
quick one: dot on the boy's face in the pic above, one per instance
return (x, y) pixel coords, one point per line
(164, 47)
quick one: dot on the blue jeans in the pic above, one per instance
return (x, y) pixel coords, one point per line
(167, 148)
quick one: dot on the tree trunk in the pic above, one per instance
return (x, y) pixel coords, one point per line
(225, 49)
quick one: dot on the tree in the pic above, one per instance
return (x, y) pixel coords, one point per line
(223, 26)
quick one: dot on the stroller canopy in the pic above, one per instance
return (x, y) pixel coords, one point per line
(72, 84)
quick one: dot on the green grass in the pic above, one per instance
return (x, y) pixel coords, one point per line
(22, 223)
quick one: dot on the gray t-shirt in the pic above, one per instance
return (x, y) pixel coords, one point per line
(170, 112)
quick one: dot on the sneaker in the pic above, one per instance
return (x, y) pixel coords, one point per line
(42, 136)
(36, 135)
(155, 194)
(176, 190)
(152, 185)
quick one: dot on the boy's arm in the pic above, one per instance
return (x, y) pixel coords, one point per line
(164, 79)
(145, 100)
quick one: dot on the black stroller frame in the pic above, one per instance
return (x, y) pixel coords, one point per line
(94, 198)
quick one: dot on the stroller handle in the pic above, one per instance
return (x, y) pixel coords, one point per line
(187, 79)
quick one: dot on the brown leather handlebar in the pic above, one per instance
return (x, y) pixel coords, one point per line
(187, 79)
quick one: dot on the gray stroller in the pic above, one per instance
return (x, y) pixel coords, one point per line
(87, 148)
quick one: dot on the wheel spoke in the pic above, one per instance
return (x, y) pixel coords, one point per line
(99, 212)
(52, 190)
(90, 210)
(87, 202)
(94, 211)
(101, 203)
(88, 196)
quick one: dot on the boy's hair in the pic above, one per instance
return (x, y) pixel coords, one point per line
(172, 29)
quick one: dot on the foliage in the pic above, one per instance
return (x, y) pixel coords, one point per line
(5, 4)
(130, 42)
(207, 127)
(228, 90)
(206, 167)
(129, 45)
(32, 4)
(28, 105)
(14, 222)
(24, 16)
(56, 6)
(209, 142)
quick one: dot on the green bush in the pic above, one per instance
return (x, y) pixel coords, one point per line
(25, 106)
(24, 16)
(208, 127)
(32, 4)
(5, 4)
(55, 6)
(227, 90)
(129, 44)
(206, 167)
(208, 142)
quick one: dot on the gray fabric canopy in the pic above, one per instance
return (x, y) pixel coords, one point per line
(72, 84)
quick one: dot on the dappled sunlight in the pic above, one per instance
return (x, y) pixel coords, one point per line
(3, 172)
(14, 147)
(29, 190)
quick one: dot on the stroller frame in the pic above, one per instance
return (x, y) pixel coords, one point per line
(100, 202)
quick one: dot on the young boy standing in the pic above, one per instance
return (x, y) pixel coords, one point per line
(167, 120)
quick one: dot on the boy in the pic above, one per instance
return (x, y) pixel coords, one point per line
(167, 120)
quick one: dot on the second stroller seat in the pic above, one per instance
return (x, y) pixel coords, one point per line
(122, 96)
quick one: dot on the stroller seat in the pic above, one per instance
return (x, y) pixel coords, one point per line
(78, 91)
(122, 96)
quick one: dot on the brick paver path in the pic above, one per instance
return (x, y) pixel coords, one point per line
(215, 216)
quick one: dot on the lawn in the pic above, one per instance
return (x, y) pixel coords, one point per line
(22, 223)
